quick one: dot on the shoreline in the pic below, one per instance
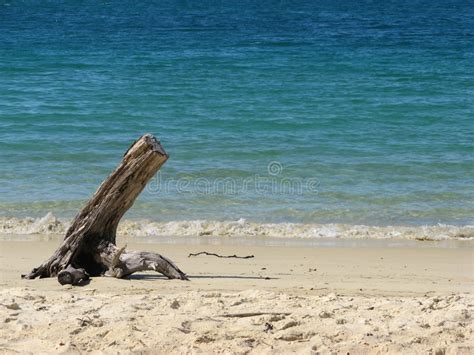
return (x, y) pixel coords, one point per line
(341, 243)
(51, 225)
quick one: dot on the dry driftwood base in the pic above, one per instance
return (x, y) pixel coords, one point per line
(89, 245)
(72, 276)
(123, 263)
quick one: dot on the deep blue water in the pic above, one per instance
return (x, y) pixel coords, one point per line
(364, 110)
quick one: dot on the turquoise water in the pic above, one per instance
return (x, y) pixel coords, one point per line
(315, 112)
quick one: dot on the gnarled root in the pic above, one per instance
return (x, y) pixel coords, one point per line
(122, 263)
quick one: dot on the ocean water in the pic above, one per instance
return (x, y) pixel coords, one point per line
(307, 112)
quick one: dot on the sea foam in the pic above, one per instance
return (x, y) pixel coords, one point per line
(49, 224)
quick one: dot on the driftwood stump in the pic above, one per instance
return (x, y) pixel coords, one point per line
(89, 245)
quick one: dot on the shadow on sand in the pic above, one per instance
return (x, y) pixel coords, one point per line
(191, 277)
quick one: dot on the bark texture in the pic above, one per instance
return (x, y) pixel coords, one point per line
(89, 243)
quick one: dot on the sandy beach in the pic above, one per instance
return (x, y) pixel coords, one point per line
(321, 150)
(356, 297)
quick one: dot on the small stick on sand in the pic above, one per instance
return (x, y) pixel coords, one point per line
(254, 314)
(221, 256)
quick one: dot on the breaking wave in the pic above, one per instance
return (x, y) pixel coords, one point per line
(49, 224)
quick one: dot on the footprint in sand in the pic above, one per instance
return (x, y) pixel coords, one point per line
(204, 339)
(296, 336)
(325, 314)
(175, 304)
(290, 325)
(13, 306)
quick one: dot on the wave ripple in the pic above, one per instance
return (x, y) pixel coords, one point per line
(49, 224)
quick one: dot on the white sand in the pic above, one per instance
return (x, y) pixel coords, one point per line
(358, 300)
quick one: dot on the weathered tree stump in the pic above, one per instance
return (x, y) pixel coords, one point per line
(89, 245)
